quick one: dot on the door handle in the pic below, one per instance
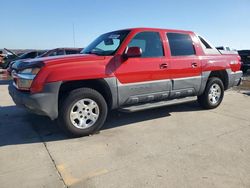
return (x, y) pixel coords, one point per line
(194, 65)
(163, 66)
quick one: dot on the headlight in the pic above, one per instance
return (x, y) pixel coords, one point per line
(24, 78)
(23, 84)
(32, 71)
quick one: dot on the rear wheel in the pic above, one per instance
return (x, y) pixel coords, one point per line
(83, 112)
(213, 94)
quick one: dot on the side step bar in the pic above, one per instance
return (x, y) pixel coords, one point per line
(157, 104)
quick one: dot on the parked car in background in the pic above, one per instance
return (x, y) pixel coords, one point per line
(245, 58)
(225, 48)
(130, 70)
(1, 57)
(61, 51)
(9, 56)
(13, 57)
(49, 53)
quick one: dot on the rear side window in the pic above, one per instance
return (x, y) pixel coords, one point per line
(149, 42)
(180, 44)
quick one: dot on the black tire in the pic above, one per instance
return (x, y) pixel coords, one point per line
(204, 98)
(68, 103)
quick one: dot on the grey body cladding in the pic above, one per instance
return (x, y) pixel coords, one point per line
(159, 90)
(45, 103)
(204, 78)
(112, 84)
(234, 78)
(183, 87)
(143, 92)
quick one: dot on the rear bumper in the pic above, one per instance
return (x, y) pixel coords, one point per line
(235, 78)
(45, 103)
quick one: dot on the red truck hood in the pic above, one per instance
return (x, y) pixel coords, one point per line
(56, 60)
(68, 59)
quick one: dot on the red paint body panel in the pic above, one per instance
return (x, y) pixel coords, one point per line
(84, 67)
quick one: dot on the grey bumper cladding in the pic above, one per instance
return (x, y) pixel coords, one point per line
(45, 103)
(234, 78)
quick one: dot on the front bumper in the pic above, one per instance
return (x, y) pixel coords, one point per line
(45, 103)
(235, 78)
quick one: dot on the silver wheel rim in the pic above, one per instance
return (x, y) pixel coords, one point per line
(84, 113)
(214, 94)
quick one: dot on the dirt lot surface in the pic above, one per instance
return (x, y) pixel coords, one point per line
(177, 146)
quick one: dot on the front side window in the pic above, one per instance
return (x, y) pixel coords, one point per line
(107, 44)
(149, 42)
(180, 44)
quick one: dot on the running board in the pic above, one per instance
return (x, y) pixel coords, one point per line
(140, 107)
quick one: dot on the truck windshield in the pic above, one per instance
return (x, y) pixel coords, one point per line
(107, 44)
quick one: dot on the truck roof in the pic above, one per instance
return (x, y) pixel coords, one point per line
(158, 29)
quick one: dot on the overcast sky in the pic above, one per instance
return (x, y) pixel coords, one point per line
(45, 24)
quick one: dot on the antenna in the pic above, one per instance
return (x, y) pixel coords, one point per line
(74, 40)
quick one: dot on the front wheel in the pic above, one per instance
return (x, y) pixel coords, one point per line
(213, 94)
(83, 112)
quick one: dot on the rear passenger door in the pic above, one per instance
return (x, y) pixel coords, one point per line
(185, 65)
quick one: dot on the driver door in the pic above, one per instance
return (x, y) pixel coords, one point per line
(144, 79)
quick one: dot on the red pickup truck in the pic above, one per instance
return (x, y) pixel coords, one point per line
(130, 70)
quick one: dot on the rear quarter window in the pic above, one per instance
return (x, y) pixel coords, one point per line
(207, 47)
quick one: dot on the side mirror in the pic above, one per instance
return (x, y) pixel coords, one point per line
(133, 52)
